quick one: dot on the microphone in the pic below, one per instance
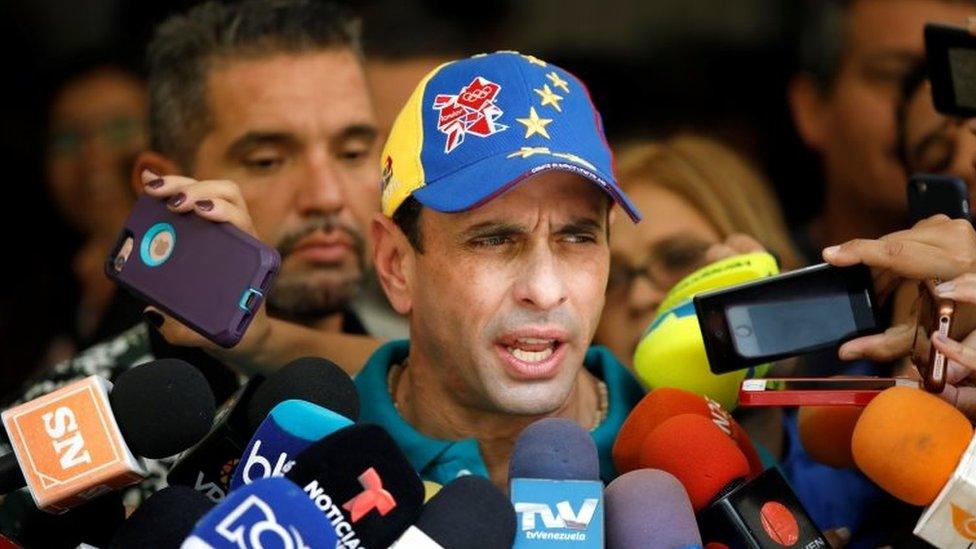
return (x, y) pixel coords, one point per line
(164, 520)
(270, 512)
(826, 431)
(468, 511)
(92, 523)
(663, 403)
(674, 337)
(208, 467)
(761, 512)
(80, 441)
(363, 483)
(649, 509)
(920, 449)
(292, 426)
(554, 479)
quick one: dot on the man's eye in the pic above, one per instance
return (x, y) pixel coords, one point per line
(263, 162)
(580, 238)
(353, 154)
(491, 241)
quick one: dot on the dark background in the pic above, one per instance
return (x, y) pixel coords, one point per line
(653, 66)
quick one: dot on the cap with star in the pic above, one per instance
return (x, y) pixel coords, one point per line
(476, 127)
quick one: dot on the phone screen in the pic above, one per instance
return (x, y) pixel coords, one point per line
(962, 65)
(775, 327)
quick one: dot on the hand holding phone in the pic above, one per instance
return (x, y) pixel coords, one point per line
(934, 315)
(931, 194)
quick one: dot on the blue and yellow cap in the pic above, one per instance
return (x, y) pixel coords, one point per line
(474, 128)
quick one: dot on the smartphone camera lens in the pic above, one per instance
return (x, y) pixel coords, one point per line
(922, 186)
(118, 263)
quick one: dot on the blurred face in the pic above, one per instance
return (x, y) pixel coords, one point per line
(97, 127)
(883, 40)
(297, 133)
(505, 298)
(647, 260)
(392, 81)
(937, 144)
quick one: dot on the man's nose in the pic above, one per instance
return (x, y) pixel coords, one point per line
(321, 190)
(542, 284)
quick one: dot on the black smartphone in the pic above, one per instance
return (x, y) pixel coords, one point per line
(786, 315)
(930, 194)
(951, 57)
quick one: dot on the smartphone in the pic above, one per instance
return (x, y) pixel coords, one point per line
(933, 314)
(210, 276)
(786, 315)
(951, 59)
(827, 391)
(930, 194)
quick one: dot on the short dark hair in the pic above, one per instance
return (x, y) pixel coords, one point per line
(407, 218)
(186, 46)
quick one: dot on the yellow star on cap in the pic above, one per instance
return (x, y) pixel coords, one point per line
(534, 124)
(576, 159)
(549, 98)
(526, 152)
(535, 60)
(558, 82)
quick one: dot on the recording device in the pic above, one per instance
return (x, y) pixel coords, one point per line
(951, 59)
(828, 391)
(661, 404)
(931, 194)
(826, 432)
(468, 511)
(209, 466)
(787, 315)
(270, 512)
(733, 511)
(555, 487)
(920, 449)
(674, 338)
(80, 441)
(934, 315)
(164, 520)
(291, 427)
(361, 481)
(649, 509)
(210, 276)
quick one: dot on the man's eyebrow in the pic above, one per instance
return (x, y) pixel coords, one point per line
(581, 224)
(491, 228)
(366, 132)
(257, 138)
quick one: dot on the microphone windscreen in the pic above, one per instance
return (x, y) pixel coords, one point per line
(93, 522)
(361, 480)
(469, 508)
(697, 453)
(826, 431)
(164, 520)
(909, 442)
(649, 509)
(270, 512)
(311, 379)
(667, 402)
(554, 449)
(162, 407)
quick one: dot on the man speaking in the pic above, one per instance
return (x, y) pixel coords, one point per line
(497, 190)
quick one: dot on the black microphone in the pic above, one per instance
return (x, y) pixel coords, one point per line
(363, 483)
(162, 521)
(92, 522)
(469, 510)
(209, 466)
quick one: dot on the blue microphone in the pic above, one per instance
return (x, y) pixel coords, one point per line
(290, 427)
(268, 513)
(554, 477)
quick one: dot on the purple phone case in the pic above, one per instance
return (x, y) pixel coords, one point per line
(213, 279)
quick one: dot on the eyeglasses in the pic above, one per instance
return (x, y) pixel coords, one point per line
(667, 264)
(118, 132)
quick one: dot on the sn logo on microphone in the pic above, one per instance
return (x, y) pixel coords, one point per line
(58, 424)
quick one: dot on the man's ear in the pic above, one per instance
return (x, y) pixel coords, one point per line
(154, 162)
(394, 260)
(808, 106)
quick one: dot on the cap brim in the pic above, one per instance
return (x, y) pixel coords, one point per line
(480, 182)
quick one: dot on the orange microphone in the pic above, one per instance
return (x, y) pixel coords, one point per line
(826, 432)
(909, 442)
(664, 403)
